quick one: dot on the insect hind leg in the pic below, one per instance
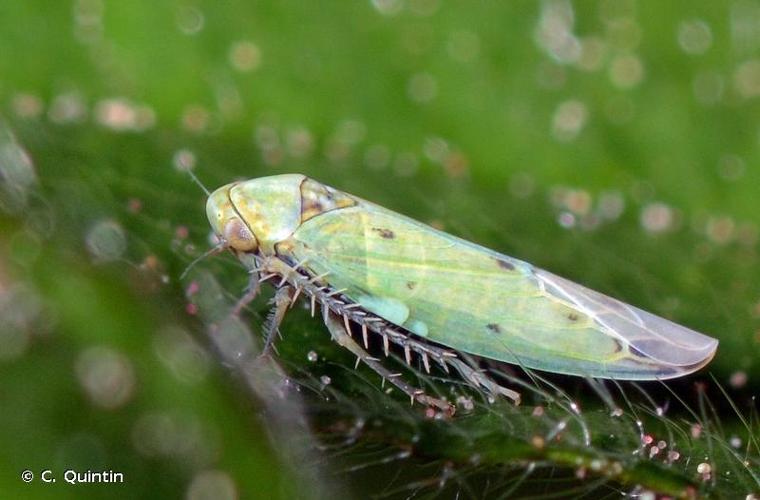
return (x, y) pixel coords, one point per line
(344, 339)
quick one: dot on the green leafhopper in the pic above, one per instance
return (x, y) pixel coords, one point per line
(434, 295)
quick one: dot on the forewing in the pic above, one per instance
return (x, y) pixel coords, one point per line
(475, 300)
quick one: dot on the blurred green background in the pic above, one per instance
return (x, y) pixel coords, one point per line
(616, 143)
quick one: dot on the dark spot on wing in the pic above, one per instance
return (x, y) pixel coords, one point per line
(618, 346)
(573, 316)
(494, 327)
(505, 265)
(411, 285)
(384, 233)
(636, 352)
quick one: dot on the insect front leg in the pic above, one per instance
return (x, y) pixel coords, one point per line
(254, 287)
(343, 338)
(281, 301)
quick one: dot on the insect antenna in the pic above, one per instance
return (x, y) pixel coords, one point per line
(212, 251)
(196, 180)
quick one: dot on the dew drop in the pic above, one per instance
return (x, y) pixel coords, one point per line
(696, 431)
(569, 119)
(106, 241)
(245, 56)
(212, 484)
(626, 71)
(738, 379)
(312, 356)
(17, 174)
(422, 88)
(106, 375)
(190, 20)
(694, 36)
(657, 218)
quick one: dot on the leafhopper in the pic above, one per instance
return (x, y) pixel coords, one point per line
(434, 296)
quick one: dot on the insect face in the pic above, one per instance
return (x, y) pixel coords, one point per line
(227, 224)
(255, 215)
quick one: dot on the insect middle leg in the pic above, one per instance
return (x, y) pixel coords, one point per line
(344, 339)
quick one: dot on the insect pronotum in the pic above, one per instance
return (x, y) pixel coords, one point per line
(434, 295)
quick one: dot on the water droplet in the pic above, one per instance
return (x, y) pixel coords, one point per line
(106, 375)
(696, 431)
(569, 119)
(195, 118)
(325, 380)
(106, 241)
(190, 20)
(67, 108)
(121, 115)
(312, 356)
(388, 7)
(747, 79)
(566, 220)
(17, 174)
(27, 105)
(708, 87)
(554, 32)
(720, 229)
(422, 88)
(657, 217)
(463, 46)
(215, 484)
(626, 71)
(738, 379)
(300, 142)
(694, 36)
(245, 56)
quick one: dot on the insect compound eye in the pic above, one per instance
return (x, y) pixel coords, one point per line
(239, 237)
